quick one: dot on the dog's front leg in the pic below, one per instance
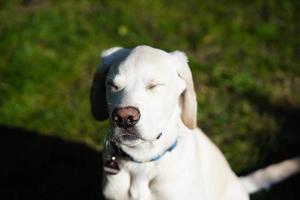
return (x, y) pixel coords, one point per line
(139, 189)
(117, 186)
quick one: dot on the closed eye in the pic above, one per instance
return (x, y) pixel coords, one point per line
(113, 85)
(154, 85)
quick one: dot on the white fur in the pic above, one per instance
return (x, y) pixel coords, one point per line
(195, 169)
(266, 177)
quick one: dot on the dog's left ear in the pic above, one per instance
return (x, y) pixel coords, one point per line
(98, 91)
(189, 99)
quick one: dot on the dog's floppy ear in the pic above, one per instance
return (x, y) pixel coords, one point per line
(189, 99)
(98, 90)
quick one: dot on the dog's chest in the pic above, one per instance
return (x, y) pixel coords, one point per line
(133, 181)
(141, 177)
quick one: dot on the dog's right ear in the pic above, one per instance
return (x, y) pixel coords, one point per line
(98, 91)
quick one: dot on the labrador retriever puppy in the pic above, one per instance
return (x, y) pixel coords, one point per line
(154, 149)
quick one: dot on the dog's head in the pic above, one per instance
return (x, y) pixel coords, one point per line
(143, 91)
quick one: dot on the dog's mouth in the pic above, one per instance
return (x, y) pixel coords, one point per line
(129, 134)
(129, 137)
(126, 136)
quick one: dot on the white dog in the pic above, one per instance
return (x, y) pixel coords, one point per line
(154, 149)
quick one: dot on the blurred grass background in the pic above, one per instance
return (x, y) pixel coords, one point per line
(244, 56)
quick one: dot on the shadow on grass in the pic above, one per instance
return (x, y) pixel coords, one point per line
(287, 117)
(43, 167)
(285, 145)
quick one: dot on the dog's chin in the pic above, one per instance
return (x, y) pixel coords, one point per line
(129, 139)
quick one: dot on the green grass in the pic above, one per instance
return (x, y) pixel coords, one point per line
(244, 56)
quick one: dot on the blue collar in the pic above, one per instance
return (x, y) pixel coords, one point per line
(155, 158)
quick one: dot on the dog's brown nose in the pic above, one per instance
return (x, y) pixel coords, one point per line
(126, 117)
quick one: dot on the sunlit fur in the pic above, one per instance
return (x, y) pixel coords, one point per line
(195, 169)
